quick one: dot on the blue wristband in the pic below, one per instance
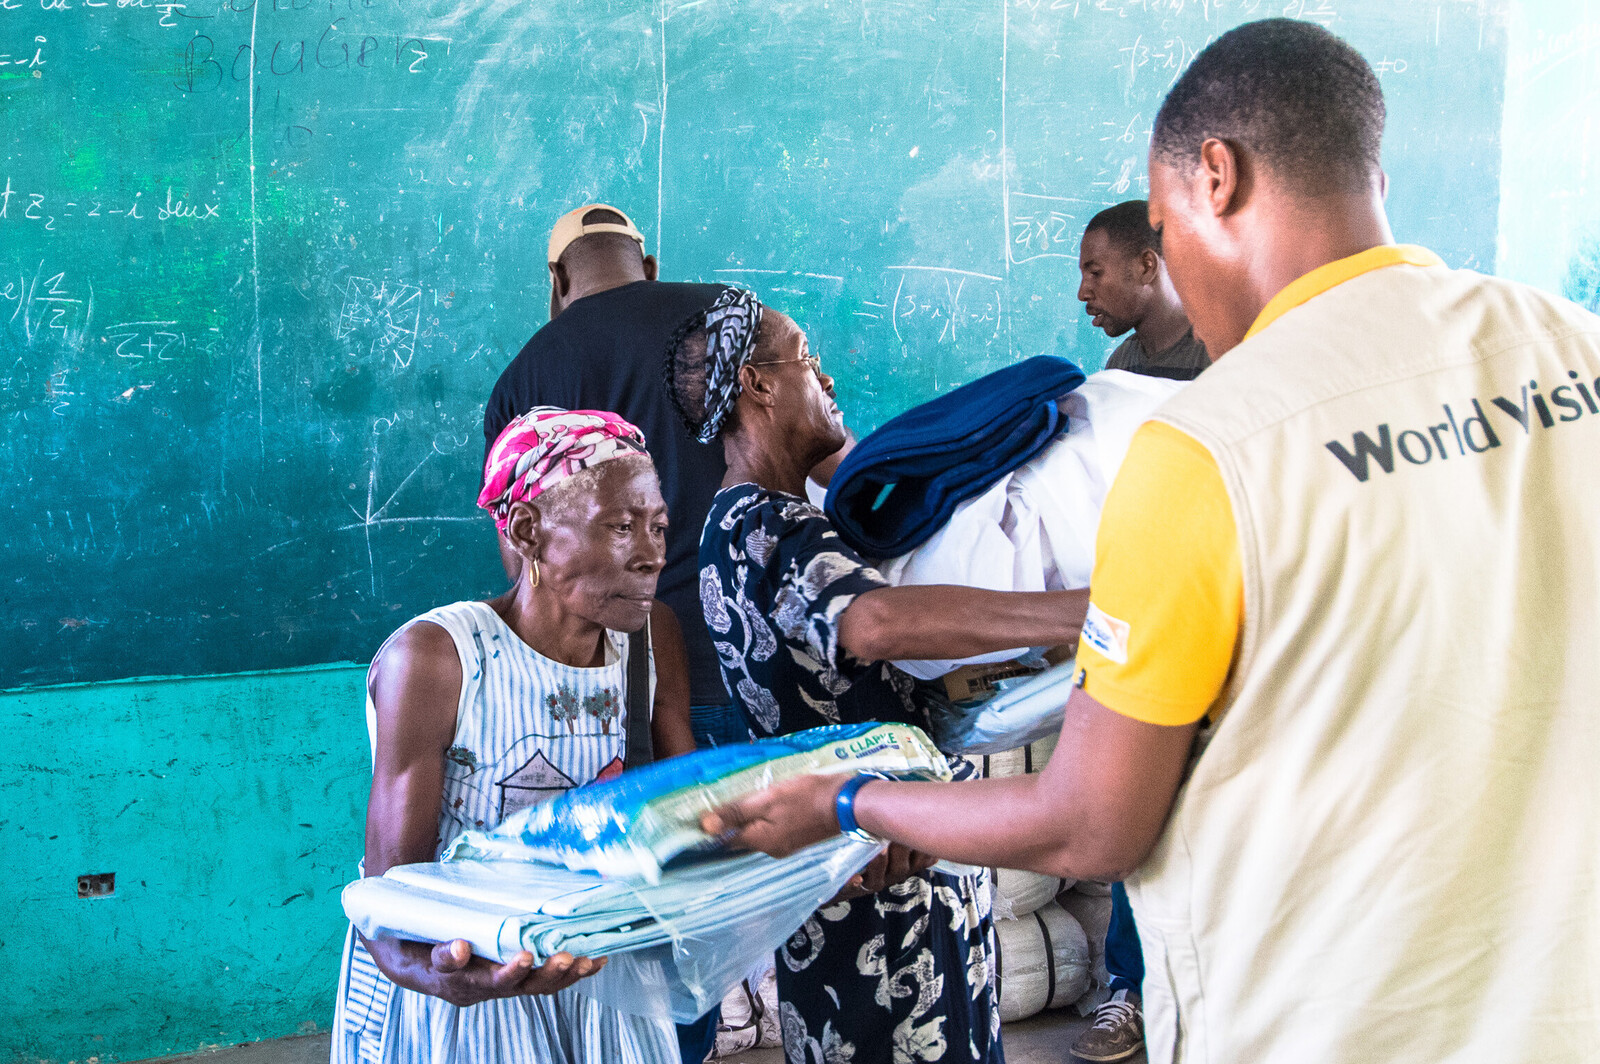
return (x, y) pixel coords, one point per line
(844, 808)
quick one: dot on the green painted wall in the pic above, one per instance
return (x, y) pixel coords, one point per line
(1550, 171)
(230, 809)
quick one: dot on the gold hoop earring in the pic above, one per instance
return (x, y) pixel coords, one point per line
(535, 574)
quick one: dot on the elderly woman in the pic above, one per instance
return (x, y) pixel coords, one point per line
(805, 629)
(479, 709)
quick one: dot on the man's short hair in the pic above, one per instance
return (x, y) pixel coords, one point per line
(1289, 92)
(1127, 226)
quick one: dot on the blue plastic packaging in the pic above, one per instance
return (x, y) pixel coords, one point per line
(631, 826)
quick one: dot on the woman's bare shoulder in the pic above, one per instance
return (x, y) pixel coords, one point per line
(418, 660)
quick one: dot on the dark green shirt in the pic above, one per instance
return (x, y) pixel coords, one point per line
(1182, 361)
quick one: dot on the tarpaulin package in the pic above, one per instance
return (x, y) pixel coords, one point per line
(1022, 711)
(676, 947)
(631, 826)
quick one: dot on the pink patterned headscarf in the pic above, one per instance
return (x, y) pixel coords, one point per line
(547, 445)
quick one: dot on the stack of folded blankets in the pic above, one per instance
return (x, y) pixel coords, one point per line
(622, 870)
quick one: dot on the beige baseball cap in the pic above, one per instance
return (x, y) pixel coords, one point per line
(570, 227)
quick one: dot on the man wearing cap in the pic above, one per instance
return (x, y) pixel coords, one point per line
(610, 325)
(1337, 723)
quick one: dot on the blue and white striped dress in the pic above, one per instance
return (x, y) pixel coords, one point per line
(527, 728)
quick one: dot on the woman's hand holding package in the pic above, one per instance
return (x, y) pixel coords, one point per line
(450, 971)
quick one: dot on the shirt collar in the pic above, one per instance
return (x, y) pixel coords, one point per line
(1338, 272)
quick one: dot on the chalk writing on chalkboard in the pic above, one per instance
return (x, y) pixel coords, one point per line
(20, 57)
(19, 204)
(381, 318)
(932, 306)
(261, 261)
(1044, 227)
(209, 65)
(49, 306)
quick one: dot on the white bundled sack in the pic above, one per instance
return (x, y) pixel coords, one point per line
(1018, 893)
(1043, 962)
(1023, 761)
(1093, 913)
(750, 1016)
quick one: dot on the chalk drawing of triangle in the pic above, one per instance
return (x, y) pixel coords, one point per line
(536, 781)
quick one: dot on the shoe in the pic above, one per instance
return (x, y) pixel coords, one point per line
(1117, 1033)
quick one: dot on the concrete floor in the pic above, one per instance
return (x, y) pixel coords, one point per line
(1042, 1039)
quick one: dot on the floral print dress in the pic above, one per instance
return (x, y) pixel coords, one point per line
(900, 976)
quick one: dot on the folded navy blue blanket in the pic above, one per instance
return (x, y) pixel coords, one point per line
(901, 484)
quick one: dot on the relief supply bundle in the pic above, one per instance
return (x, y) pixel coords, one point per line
(584, 872)
(631, 826)
(675, 948)
(1011, 707)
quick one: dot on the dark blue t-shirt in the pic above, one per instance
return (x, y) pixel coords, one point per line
(608, 352)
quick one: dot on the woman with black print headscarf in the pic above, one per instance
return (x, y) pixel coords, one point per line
(903, 968)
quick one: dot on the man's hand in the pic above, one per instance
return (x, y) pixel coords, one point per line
(894, 865)
(797, 813)
(783, 819)
(462, 979)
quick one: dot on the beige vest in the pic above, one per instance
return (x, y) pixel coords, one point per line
(1389, 850)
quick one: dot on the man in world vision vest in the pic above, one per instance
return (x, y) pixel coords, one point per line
(1338, 721)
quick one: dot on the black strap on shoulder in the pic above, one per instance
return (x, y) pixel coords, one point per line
(638, 750)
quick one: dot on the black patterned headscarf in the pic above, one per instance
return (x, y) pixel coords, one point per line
(730, 325)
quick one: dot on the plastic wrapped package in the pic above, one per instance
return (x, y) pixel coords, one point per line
(676, 947)
(1018, 893)
(1043, 962)
(587, 872)
(631, 826)
(1022, 710)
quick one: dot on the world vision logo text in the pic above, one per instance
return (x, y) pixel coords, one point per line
(1465, 433)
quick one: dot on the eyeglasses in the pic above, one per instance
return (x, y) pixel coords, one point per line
(811, 360)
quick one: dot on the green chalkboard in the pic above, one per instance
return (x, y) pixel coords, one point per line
(261, 260)
(1550, 190)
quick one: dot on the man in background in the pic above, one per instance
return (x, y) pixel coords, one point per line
(1125, 288)
(610, 324)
